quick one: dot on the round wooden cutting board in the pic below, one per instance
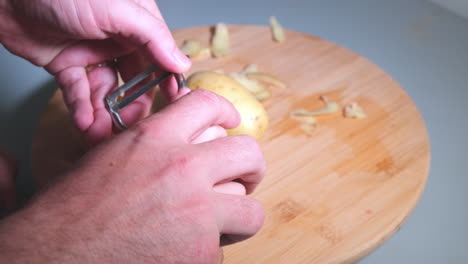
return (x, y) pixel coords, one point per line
(330, 197)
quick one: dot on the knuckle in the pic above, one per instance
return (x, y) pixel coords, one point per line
(143, 129)
(182, 162)
(249, 143)
(206, 98)
(211, 253)
(206, 250)
(252, 150)
(253, 215)
(102, 77)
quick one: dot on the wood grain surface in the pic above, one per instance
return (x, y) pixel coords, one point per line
(331, 197)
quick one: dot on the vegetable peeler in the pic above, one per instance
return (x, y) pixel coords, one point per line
(114, 104)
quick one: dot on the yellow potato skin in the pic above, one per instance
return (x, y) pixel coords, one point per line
(254, 118)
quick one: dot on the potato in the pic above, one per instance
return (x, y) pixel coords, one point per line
(254, 119)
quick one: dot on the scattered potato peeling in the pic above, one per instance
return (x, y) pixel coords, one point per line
(308, 128)
(254, 87)
(220, 43)
(250, 68)
(191, 47)
(266, 78)
(204, 54)
(299, 115)
(257, 82)
(353, 110)
(308, 119)
(263, 95)
(308, 123)
(330, 108)
(277, 30)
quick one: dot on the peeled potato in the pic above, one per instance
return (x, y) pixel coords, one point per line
(254, 119)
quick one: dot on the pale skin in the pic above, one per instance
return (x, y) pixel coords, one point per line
(163, 191)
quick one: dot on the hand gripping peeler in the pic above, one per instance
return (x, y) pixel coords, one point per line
(114, 103)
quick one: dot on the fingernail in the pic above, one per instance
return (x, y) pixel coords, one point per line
(182, 60)
(184, 91)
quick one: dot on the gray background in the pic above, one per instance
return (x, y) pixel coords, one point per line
(422, 46)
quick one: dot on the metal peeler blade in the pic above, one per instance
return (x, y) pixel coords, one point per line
(113, 104)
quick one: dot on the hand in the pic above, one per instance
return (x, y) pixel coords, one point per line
(8, 169)
(147, 195)
(66, 37)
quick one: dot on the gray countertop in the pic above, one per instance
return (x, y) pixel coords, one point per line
(422, 46)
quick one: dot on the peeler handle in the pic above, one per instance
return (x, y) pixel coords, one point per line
(113, 104)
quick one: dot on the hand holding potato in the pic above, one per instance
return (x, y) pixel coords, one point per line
(147, 195)
(254, 119)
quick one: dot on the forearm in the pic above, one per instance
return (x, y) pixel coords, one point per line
(5, 19)
(15, 244)
(30, 236)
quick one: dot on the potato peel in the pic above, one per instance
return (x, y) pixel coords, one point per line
(191, 47)
(220, 44)
(203, 54)
(308, 118)
(330, 108)
(299, 115)
(254, 87)
(353, 110)
(308, 128)
(250, 68)
(257, 82)
(308, 123)
(266, 78)
(277, 30)
(263, 95)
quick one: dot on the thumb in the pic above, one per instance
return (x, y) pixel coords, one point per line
(133, 23)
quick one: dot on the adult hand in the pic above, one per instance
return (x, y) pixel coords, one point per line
(147, 195)
(8, 169)
(66, 37)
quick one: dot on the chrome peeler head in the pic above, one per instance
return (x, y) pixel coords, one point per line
(113, 104)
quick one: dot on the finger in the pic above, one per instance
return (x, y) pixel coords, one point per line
(85, 53)
(182, 92)
(170, 89)
(76, 93)
(69, 69)
(151, 6)
(232, 187)
(129, 66)
(137, 24)
(239, 216)
(136, 111)
(188, 117)
(132, 64)
(102, 80)
(211, 133)
(8, 167)
(237, 158)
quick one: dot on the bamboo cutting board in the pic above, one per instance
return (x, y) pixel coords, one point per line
(331, 197)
